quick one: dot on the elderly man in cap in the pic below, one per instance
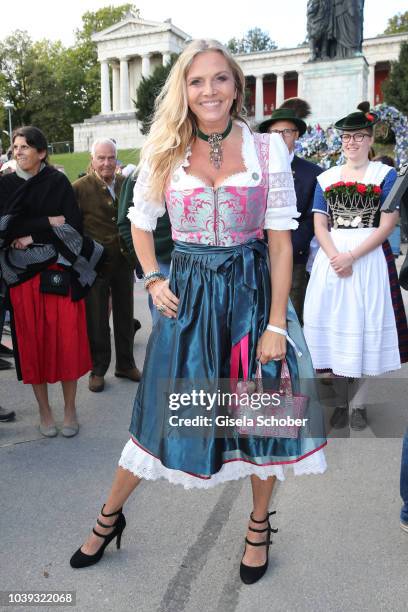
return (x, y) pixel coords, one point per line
(287, 121)
(98, 195)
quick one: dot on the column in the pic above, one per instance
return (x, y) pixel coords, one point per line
(145, 66)
(115, 87)
(300, 85)
(166, 59)
(259, 99)
(105, 88)
(371, 84)
(280, 89)
(124, 85)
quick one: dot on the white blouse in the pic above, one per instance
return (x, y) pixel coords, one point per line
(375, 174)
(281, 208)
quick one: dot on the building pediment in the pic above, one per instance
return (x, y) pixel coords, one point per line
(132, 26)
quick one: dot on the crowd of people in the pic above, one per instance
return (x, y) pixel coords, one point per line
(218, 220)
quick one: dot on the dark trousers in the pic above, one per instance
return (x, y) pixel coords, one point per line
(2, 315)
(300, 279)
(116, 280)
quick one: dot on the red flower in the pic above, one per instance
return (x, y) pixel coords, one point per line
(377, 189)
(328, 189)
(339, 184)
(369, 116)
(350, 184)
(361, 188)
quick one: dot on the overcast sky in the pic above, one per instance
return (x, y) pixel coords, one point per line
(284, 20)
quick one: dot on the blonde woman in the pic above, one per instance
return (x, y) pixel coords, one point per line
(222, 185)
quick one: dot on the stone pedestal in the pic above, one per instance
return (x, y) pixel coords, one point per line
(334, 88)
(122, 127)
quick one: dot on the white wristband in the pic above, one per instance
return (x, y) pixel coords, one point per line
(278, 330)
(283, 332)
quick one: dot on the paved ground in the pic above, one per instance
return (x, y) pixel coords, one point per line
(339, 546)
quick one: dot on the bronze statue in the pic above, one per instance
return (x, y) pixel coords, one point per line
(335, 28)
(318, 21)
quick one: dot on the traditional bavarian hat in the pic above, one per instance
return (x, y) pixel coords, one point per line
(293, 110)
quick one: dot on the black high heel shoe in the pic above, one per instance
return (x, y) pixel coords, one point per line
(251, 574)
(80, 559)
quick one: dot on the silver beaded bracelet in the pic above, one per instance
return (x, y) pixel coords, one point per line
(151, 274)
(152, 277)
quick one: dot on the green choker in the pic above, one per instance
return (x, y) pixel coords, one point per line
(214, 140)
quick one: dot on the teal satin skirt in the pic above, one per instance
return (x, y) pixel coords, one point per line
(224, 294)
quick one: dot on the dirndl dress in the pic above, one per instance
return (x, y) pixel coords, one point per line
(220, 274)
(354, 326)
(50, 333)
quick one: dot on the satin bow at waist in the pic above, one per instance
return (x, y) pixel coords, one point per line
(241, 258)
(224, 257)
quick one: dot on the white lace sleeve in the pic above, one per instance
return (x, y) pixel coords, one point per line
(144, 212)
(281, 208)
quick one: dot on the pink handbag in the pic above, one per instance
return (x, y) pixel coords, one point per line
(281, 418)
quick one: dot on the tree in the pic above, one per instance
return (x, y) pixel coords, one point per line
(52, 86)
(103, 18)
(45, 105)
(4, 141)
(254, 40)
(147, 92)
(16, 63)
(397, 24)
(29, 79)
(396, 87)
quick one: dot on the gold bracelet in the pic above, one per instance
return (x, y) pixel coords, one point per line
(352, 256)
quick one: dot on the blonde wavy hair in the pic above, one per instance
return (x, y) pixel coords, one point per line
(173, 124)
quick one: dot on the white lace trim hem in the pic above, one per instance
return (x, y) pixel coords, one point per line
(353, 373)
(144, 465)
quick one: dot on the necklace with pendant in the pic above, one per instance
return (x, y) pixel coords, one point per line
(214, 140)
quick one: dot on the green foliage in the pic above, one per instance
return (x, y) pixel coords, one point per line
(147, 92)
(16, 64)
(29, 82)
(4, 140)
(103, 18)
(52, 86)
(396, 87)
(397, 24)
(254, 40)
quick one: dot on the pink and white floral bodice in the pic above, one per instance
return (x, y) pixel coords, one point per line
(222, 217)
(239, 210)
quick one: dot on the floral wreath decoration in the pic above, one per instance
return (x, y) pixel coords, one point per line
(326, 144)
(345, 198)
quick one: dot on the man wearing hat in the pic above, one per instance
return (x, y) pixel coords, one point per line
(287, 120)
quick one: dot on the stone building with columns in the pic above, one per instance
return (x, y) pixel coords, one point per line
(126, 51)
(134, 47)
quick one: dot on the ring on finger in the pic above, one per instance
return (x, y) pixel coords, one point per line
(161, 307)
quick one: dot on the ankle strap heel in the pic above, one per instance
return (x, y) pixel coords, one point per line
(112, 513)
(80, 559)
(251, 574)
(266, 519)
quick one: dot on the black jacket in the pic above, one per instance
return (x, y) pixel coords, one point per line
(25, 206)
(304, 175)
